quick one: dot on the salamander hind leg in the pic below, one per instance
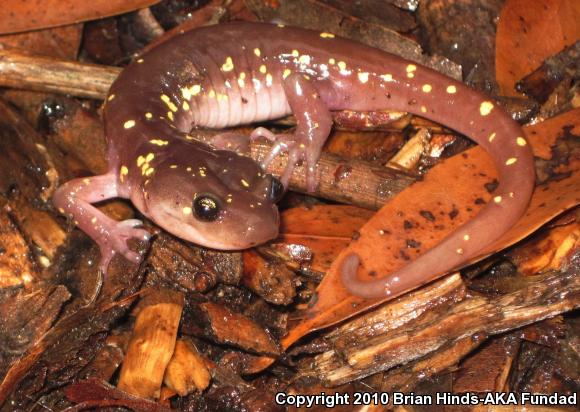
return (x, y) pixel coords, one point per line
(313, 124)
(74, 199)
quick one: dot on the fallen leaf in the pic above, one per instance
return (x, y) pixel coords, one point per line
(324, 229)
(18, 16)
(530, 31)
(468, 171)
(59, 42)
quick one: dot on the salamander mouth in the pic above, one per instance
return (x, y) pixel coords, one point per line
(214, 235)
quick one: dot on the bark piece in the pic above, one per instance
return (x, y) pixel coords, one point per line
(187, 370)
(358, 354)
(488, 369)
(227, 327)
(152, 344)
(270, 279)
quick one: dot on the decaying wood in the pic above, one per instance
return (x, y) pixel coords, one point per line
(270, 279)
(488, 370)
(94, 393)
(22, 145)
(15, 268)
(152, 344)
(542, 81)
(410, 154)
(187, 370)
(371, 344)
(192, 268)
(226, 327)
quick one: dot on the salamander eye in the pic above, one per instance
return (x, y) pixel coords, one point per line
(276, 190)
(206, 208)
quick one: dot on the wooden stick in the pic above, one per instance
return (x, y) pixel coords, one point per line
(44, 74)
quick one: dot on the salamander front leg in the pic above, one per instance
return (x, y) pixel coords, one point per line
(313, 124)
(74, 198)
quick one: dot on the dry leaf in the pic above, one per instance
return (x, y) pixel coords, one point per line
(530, 31)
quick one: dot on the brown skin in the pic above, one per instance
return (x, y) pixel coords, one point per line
(239, 73)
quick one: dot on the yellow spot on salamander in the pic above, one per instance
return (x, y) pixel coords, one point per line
(511, 161)
(211, 94)
(169, 103)
(86, 181)
(123, 172)
(140, 161)
(387, 77)
(148, 115)
(497, 199)
(159, 142)
(185, 106)
(423, 109)
(459, 251)
(188, 92)
(263, 69)
(221, 97)
(140, 61)
(466, 237)
(111, 97)
(286, 73)
(149, 157)
(257, 52)
(129, 124)
(521, 141)
(485, 108)
(411, 68)
(341, 65)
(170, 115)
(332, 60)
(363, 77)
(94, 220)
(491, 137)
(173, 167)
(451, 89)
(228, 66)
(295, 53)
(304, 59)
(269, 80)
(149, 171)
(186, 210)
(241, 83)
(327, 35)
(427, 88)
(245, 183)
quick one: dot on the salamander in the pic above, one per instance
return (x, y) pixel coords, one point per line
(240, 73)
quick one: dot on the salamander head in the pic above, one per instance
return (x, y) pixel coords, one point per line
(216, 199)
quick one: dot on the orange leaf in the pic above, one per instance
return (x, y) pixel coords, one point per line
(17, 15)
(60, 42)
(530, 31)
(324, 229)
(381, 253)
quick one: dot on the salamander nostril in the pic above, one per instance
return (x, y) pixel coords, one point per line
(276, 190)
